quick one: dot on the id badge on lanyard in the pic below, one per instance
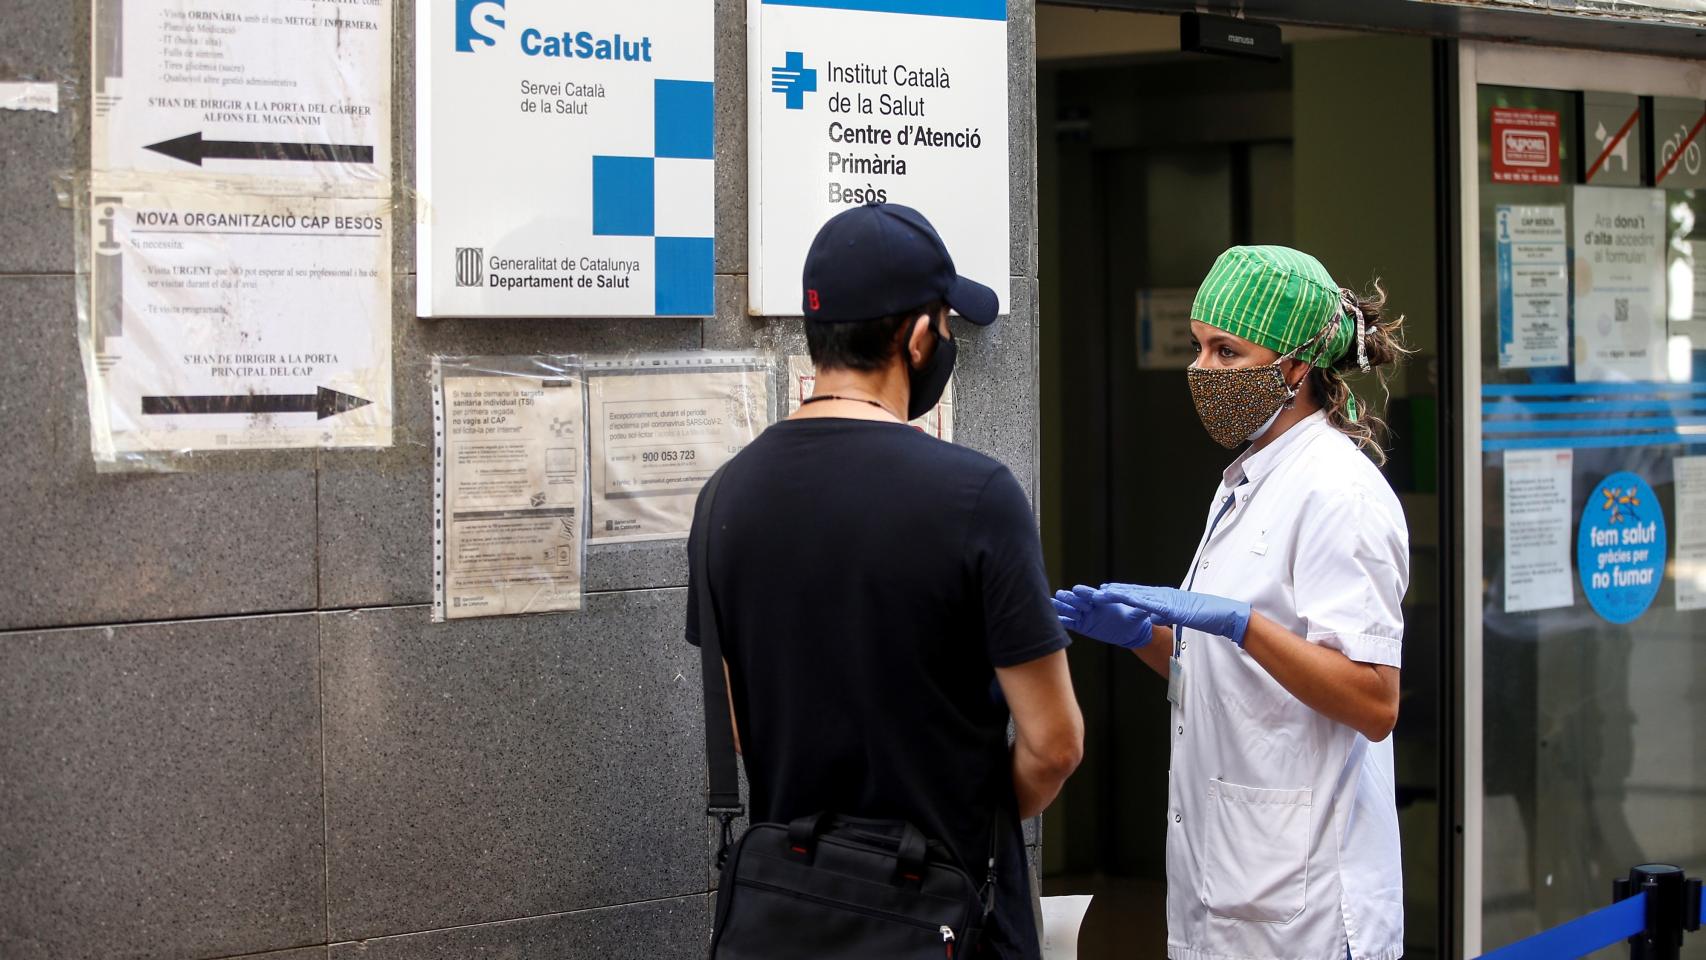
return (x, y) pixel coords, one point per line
(1176, 681)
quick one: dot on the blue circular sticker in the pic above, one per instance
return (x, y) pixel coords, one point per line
(1620, 548)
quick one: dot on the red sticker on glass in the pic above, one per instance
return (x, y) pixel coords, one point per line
(1525, 146)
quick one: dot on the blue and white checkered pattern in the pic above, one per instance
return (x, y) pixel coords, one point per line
(668, 196)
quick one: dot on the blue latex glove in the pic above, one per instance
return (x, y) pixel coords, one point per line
(1115, 623)
(1198, 611)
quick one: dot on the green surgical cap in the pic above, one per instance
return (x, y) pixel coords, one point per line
(1278, 297)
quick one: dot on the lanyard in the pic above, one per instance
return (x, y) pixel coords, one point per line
(1196, 562)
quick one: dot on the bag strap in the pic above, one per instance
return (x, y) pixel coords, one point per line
(722, 794)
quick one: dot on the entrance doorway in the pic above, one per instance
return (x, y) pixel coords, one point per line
(1583, 753)
(1151, 162)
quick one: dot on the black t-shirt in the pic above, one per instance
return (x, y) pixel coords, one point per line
(868, 578)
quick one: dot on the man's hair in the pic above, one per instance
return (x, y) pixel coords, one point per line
(862, 344)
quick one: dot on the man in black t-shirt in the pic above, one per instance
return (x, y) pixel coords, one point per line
(880, 593)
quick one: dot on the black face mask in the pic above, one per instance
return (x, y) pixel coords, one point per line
(930, 381)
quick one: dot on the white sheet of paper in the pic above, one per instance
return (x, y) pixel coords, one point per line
(1620, 284)
(938, 422)
(1062, 918)
(1690, 533)
(1537, 530)
(1688, 291)
(802, 379)
(657, 435)
(510, 461)
(1697, 254)
(29, 96)
(1534, 286)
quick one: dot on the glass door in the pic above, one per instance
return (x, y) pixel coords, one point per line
(1583, 371)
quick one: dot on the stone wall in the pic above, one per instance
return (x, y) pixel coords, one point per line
(227, 726)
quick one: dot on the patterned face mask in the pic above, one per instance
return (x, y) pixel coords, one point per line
(1235, 402)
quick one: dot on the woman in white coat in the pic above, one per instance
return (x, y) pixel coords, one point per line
(1282, 646)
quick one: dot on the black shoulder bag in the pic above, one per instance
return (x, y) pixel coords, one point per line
(825, 886)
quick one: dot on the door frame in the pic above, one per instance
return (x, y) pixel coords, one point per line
(1650, 30)
(1502, 64)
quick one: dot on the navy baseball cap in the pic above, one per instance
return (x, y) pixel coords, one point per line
(881, 259)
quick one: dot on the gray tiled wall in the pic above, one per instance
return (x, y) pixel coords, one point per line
(487, 770)
(37, 42)
(161, 789)
(227, 726)
(670, 929)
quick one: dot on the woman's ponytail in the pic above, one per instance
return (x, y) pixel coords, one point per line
(1379, 344)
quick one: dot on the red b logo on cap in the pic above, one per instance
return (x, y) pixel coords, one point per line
(811, 299)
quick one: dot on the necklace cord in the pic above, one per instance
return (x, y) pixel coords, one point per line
(819, 398)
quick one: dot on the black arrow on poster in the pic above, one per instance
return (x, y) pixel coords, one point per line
(191, 148)
(325, 403)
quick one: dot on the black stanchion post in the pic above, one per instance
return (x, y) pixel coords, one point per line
(1673, 906)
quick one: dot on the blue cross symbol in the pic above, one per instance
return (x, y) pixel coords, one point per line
(793, 80)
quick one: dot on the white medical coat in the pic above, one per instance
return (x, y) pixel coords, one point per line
(1282, 830)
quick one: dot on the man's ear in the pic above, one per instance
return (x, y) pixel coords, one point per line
(916, 342)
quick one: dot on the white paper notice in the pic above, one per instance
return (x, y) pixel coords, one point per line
(1690, 533)
(658, 434)
(1620, 284)
(1534, 287)
(30, 96)
(1697, 261)
(1688, 291)
(1164, 329)
(510, 454)
(230, 321)
(293, 90)
(1062, 918)
(1537, 530)
(938, 422)
(802, 380)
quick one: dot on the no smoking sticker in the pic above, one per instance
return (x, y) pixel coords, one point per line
(1621, 548)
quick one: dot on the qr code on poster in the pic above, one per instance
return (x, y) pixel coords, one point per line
(1620, 310)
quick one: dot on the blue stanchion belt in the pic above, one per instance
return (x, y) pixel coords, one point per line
(1581, 936)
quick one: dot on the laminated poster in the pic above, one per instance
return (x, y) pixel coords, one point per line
(509, 465)
(658, 433)
(1537, 530)
(1534, 287)
(1690, 533)
(239, 226)
(224, 321)
(938, 422)
(282, 90)
(1620, 284)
